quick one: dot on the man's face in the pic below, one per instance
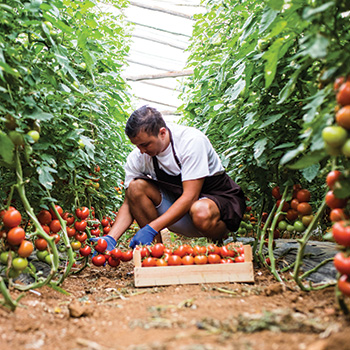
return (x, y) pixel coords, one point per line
(150, 144)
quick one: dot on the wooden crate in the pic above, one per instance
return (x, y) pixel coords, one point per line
(193, 274)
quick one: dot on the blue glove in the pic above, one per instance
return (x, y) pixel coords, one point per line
(143, 236)
(111, 243)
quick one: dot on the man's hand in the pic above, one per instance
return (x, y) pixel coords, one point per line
(143, 236)
(111, 242)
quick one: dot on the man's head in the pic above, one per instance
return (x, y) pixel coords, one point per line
(147, 130)
(145, 119)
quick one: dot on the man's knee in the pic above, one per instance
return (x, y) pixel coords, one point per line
(139, 188)
(202, 216)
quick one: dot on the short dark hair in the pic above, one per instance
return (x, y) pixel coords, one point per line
(146, 119)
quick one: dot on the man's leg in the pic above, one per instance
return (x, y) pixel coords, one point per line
(143, 197)
(205, 215)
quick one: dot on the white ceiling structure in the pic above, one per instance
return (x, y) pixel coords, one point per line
(157, 58)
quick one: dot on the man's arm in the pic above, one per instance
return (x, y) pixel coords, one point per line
(191, 191)
(122, 222)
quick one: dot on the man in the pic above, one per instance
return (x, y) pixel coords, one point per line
(174, 179)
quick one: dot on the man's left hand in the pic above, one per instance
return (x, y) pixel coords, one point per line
(144, 236)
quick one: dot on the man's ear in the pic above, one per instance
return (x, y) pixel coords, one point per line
(162, 131)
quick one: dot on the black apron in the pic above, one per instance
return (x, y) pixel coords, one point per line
(221, 189)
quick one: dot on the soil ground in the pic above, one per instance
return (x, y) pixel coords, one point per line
(105, 311)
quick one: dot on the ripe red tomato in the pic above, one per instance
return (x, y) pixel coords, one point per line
(199, 250)
(101, 245)
(344, 285)
(304, 208)
(200, 259)
(113, 262)
(149, 262)
(187, 260)
(11, 217)
(343, 95)
(303, 195)
(25, 249)
(46, 228)
(82, 213)
(239, 258)
(81, 236)
(338, 214)
(341, 232)
(80, 225)
(16, 235)
(292, 215)
(214, 258)
(161, 262)
(96, 232)
(85, 251)
(56, 236)
(144, 251)
(294, 204)
(227, 261)
(333, 202)
(225, 252)
(55, 226)
(127, 255)
(69, 218)
(174, 260)
(213, 248)
(98, 260)
(104, 222)
(157, 250)
(332, 177)
(59, 209)
(338, 82)
(342, 263)
(276, 193)
(71, 231)
(116, 253)
(44, 217)
(40, 244)
(180, 251)
(106, 230)
(285, 206)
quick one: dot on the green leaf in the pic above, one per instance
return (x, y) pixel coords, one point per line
(45, 178)
(276, 4)
(259, 148)
(315, 46)
(6, 148)
(308, 160)
(292, 154)
(311, 172)
(271, 56)
(268, 17)
(37, 113)
(344, 190)
(272, 119)
(309, 11)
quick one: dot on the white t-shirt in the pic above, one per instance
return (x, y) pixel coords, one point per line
(196, 154)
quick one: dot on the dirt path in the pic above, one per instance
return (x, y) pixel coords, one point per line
(105, 311)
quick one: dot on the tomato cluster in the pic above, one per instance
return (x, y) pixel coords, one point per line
(248, 222)
(113, 257)
(340, 216)
(185, 254)
(15, 248)
(336, 136)
(297, 211)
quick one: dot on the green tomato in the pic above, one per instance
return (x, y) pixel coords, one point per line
(19, 264)
(16, 138)
(242, 231)
(346, 148)
(282, 225)
(34, 135)
(41, 254)
(332, 151)
(334, 136)
(76, 84)
(290, 228)
(48, 25)
(14, 273)
(4, 257)
(82, 65)
(299, 226)
(249, 227)
(81, 143)
(49, 259)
